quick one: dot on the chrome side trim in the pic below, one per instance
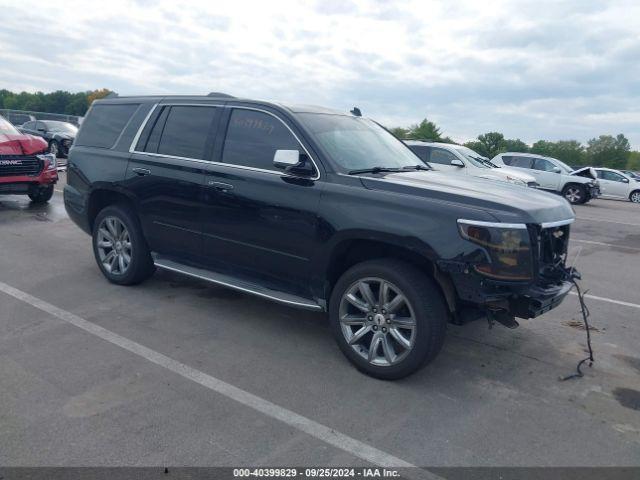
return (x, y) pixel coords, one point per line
(519, 226)
(559, 223)
(307, 305)
(221, 164)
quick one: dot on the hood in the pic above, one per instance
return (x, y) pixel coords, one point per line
(11, 144)
(506, 202)
(587, 172)
(505, 172)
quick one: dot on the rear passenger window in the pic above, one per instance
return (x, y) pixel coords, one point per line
(186, 131)
(522, 162)
(104, 124)
(421, 152)
(253, 138)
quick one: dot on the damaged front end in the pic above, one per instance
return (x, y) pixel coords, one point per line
(518, 270)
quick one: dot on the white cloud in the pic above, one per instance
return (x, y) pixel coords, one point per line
(532, 70)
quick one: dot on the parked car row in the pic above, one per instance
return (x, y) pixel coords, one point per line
(58, 135)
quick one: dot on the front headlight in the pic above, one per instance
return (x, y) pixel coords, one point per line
(507, 249)
(50, 162)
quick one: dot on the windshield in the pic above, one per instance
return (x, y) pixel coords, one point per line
(65, 127)
(356, 143)
(7, 128)
(564, 166)
(475, 158)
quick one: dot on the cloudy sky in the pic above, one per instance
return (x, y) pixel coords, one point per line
(538, 69)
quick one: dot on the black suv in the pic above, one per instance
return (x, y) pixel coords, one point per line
(315, 209)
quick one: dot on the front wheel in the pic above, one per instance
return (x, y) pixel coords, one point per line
(41, 194)
(388, 318)
(54, 147)
(635, 196)
(119, 246)
(575, 194)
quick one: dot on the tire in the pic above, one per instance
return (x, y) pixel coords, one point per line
(40, 195)
(575, 194)
(635, 196)
(118, 226)
(54, 147)
(424, 304)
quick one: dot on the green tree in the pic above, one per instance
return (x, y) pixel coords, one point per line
(490, 144)
(425, 130)
(399, 132)
(55, 102)
(633, 163)
(515, 145)
(608, 151)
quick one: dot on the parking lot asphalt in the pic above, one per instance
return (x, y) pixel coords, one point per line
(73, 396)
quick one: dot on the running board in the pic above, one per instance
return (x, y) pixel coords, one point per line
(236, 284)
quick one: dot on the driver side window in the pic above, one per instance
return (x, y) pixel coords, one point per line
(543, 165)
(441, 157)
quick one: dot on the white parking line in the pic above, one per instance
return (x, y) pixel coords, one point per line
(328, 435)
(609, 300)
(609, 221)
(590, 242)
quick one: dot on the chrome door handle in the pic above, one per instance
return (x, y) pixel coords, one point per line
(223, 187)
(141, 171)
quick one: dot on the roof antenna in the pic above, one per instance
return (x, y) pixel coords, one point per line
(356, 112)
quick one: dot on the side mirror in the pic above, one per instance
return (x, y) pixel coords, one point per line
(556, 170)
(293, 162)
(625, 180)
(457, 163)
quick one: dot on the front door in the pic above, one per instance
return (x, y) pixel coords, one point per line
(257, 220)
(166, 174)
(543, 171)
(613, 184)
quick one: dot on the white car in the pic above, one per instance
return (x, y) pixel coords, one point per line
(615, 184)
(577, 186)
(451, 158)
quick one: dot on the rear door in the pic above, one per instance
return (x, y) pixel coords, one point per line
(166, 174)
(258, 220)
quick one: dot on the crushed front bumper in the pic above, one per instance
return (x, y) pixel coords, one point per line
(538, 300)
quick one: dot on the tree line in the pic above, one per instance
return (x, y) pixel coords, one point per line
(603, 151)
(59, 101)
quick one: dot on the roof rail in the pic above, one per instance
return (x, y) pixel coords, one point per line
(219, 94)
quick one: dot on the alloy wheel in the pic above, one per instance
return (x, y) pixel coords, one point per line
(114, 246)
(377, 321)
(635, 197)
(573, 194)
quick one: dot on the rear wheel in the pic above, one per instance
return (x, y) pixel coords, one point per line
(635, 196)
(388, 318)
(41, 194)
(575, 194)
(119, 246)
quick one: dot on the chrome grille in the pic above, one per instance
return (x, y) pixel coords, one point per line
(19, 165)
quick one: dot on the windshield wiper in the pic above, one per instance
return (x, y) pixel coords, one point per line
(375, 170)
(418, 167)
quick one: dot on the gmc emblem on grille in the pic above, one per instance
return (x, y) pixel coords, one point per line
(10, 162)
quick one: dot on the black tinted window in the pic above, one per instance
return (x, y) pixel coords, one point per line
(440, 156)
(607, 175)
(186, 131)
(522, 162)
(420, 151)
(253, 138)
(104, 124)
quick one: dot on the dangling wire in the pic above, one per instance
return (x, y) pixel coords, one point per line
(585, 315)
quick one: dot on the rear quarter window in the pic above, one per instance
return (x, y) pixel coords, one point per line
(104, 124)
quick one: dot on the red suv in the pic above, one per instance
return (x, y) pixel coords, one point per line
(25, 167)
